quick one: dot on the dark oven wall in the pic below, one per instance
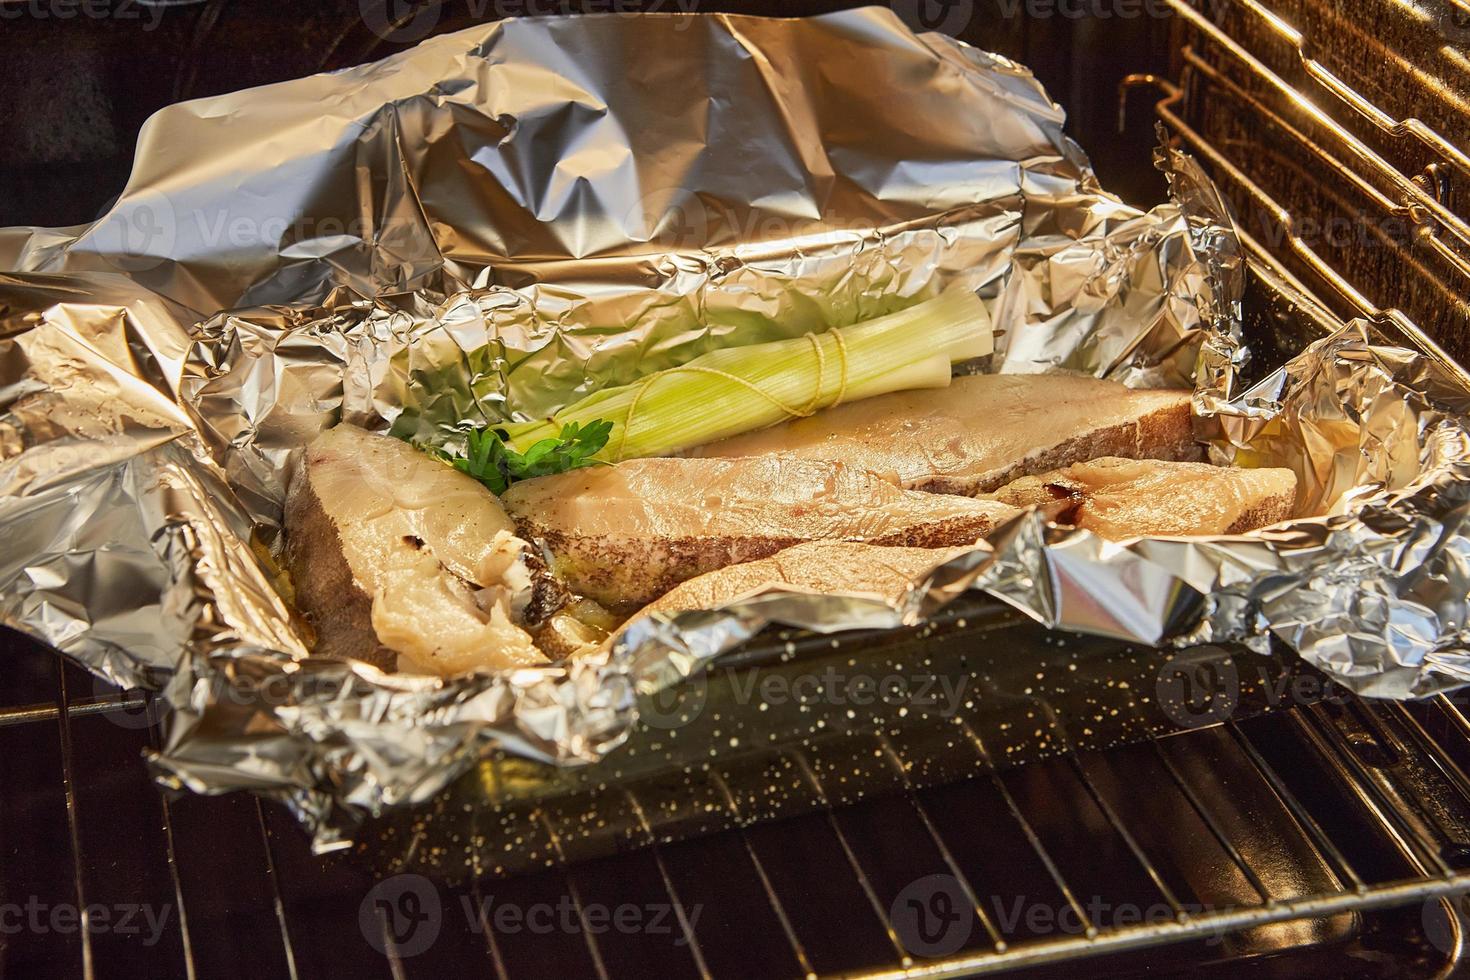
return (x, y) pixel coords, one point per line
(79, 77)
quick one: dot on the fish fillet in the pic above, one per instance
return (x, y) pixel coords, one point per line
(625, 534)
(397, 557)
(983, 431)
(836, 567)
(1125, 498)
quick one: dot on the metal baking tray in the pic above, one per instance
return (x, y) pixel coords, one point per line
(795, 721)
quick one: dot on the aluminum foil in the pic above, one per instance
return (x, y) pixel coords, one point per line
(497, 221)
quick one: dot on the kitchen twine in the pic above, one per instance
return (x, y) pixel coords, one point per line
(807, 410)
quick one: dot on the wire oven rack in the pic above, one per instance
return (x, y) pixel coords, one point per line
(1252, 839)
(1400, 251)
(1248, 839)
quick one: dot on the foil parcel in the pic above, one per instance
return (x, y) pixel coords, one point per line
(498, 221)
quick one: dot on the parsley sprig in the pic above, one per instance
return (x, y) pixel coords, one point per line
(490, 460)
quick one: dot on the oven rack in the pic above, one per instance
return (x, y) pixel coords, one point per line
(1375, 796)
(1377, 799)
(1253, 126)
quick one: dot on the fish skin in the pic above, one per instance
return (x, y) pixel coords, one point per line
(1258, 497)
(625, 534)
(1125, 498)
(829, 567)
(984, 430)
(402, 561)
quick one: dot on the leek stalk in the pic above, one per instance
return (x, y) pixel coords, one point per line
(727, 392)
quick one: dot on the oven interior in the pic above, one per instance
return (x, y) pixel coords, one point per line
(1328, 837)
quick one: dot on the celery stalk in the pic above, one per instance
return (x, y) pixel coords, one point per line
(740, 389)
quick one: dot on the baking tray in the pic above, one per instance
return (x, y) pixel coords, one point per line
(794, 721)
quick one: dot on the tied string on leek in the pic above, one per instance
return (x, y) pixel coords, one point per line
(735, 390)
(805, 411)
